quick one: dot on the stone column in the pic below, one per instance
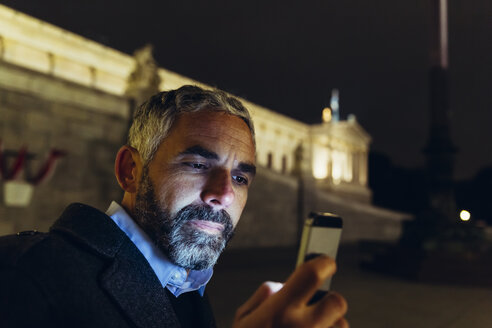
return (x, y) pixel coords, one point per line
(355, 167)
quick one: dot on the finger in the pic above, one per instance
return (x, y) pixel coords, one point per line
(329, 311)
(306, 279)
(266, 289)
(341, 323)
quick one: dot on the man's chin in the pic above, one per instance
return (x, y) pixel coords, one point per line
(194, 260)
(195, 253)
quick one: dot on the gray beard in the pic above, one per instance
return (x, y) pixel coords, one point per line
(183, 243)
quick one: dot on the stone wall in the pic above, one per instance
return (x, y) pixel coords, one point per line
(270, 216)
(275, 212)
(65, 116)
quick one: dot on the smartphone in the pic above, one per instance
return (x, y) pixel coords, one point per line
(320, 235)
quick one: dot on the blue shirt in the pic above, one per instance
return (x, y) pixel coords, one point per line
(171, 276)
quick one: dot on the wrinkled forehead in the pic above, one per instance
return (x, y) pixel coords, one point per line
(214, 128)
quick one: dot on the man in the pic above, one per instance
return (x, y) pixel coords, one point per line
(185, 172)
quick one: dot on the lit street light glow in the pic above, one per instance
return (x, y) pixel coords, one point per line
(465, 215)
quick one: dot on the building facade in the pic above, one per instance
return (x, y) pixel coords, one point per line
(61, 91)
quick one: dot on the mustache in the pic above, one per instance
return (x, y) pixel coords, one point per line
(202, 212)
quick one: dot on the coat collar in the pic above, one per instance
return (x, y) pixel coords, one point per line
(128, 278)
(91, 227)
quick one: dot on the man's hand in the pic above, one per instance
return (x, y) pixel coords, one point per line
(274, 305)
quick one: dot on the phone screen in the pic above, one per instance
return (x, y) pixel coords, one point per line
(321, 235)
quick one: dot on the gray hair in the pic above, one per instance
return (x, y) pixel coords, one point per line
(155, 117)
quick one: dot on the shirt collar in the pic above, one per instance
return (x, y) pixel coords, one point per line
(171, 276)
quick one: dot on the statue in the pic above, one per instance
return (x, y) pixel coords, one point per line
(144, 81)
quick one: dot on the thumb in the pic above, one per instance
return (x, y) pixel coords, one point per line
(266, 289)
(306, 279)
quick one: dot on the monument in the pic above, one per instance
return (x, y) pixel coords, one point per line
(437, 246)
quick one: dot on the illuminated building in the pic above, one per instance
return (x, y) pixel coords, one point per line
(62, 90)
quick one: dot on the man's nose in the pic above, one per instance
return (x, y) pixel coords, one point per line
(218, 192)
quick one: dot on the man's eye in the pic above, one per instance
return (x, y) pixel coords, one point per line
(197, 166)
(240, 180)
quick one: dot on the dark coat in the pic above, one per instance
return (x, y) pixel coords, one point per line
(87, 273)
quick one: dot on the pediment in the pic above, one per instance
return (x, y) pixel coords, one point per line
(347, 131)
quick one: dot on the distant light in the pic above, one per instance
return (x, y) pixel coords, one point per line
(327, 115)
(465, 215)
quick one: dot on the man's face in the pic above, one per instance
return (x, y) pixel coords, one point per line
(192, 193)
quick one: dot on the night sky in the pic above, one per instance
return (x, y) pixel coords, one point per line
(288, 55)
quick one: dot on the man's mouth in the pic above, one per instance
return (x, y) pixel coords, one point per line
(208, 226)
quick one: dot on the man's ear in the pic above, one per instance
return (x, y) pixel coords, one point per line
(128, 168)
